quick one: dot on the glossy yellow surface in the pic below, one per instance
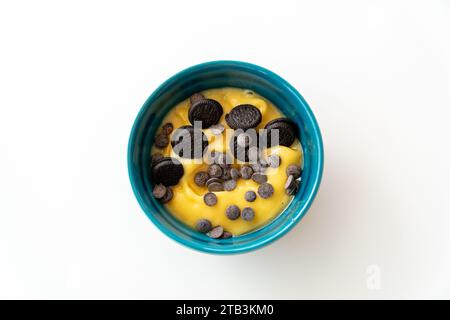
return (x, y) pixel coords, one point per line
(187, 203)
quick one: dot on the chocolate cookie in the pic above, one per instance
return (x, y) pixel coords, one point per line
(188, 142)
(287, 132)
(208, 111)
(244, 116)
(167, 171)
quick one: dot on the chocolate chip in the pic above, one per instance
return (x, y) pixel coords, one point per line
(265, 190)
(226, 175)
(217, 129)
(159, 191)
(215, 187)
(215, 171)
(226, 235)
(274, 160)
(161, 140)
(257, 167)
(167, 128)
(248, 214)
(293, 189)
(246, 172)
(156, 157)
(207, 111)
(293, 170)
(244, 116)
(168, 196)
(234, 173)
(211, 180)
(200, 178)
(229, 185)
(189, 143)
(286, 130)
(203, 225)
(167, 171)
(289, 182)
(233, 212)
(216, 232)
(259, 178)
(196, 97)
(250, 196)
(210, 199)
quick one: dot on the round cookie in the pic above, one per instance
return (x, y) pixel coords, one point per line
(208, 111)
(168, 171)
(287, 131)
(244, 116)
(188, 142)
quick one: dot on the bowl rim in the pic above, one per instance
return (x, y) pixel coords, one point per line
(317, 176)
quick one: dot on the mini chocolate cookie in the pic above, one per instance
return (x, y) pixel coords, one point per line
(168, 171)
(208, 111)
(287, 132)
(189, 143)
(244, 116)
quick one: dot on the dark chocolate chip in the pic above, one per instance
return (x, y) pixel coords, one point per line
(289, 182)
(234, 173)
(210, 199)
(274, 160)
(244, 116)
(246, 172)
(168, 196)
(250, 196)
(215, 187)
(161, 140)
(233, 212)
(211, 180)
(196, 97)
(248, 214)
(265, 190)
(293, 189)
(215, 171)
(203, 225)
(200, 178)
(167, 128)
(257, 167)
(286, 129)
(229, 185)
(167, 171)
(216, 232)
(259, 178)
(189, 143)
(159, 191)
(208, 111)
(294, 170)
(156, 157)
(226, 235)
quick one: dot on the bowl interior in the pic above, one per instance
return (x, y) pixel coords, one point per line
(216, 75)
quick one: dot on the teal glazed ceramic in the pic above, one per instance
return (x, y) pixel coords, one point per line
(219, 74)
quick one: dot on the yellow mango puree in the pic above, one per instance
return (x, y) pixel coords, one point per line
(187, 204)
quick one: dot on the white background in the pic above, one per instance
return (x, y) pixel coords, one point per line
(73, 76)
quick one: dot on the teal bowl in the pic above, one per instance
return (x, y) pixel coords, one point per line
(219, 74)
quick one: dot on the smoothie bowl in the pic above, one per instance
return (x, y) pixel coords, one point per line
(225, 157)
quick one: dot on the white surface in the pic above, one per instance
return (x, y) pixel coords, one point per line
(74, 76)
